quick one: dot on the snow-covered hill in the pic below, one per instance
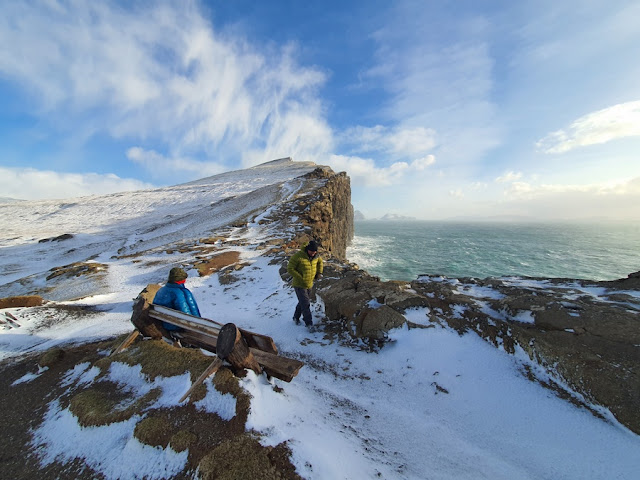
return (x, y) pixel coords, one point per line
(429, 404)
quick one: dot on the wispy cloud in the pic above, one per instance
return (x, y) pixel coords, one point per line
(18, 183)
(364, 172)
(396, 142)
(529, 190)
(618, 121)
(610, 200)
(160, 74)
(441, 85)
(159, 164)
(509, 177)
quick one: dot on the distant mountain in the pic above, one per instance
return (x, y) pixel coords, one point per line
(10, 200)
(358, 215)
(396, 217)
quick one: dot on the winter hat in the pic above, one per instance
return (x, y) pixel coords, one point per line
(176, 274)
(312, 246)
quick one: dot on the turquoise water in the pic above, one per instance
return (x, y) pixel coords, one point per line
(403, 250)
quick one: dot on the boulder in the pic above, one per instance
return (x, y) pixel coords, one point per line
(377, 322)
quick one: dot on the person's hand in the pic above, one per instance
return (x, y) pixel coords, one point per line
(318, 276)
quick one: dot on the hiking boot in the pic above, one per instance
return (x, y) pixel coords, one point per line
(296, 321)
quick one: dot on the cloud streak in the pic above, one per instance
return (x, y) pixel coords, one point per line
(18, 182)
(160, 74)
(606, 125)
(364, 172)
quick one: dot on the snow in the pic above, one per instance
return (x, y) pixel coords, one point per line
(111, 450)
(430, 404)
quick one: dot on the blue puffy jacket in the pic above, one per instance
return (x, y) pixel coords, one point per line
(178, 297)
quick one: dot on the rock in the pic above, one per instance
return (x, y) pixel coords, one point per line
(59, 238)
(51, 357)
(589, 343)
(376, 322)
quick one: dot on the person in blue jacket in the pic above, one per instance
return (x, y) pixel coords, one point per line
(175, 295)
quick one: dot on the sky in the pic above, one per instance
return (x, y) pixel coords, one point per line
(435, 109)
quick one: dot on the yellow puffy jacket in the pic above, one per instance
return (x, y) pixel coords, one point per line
(303, 268)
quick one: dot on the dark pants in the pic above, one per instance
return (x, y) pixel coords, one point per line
(303, 306)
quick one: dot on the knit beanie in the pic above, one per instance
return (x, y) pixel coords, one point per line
(312, 247)
(176, 274)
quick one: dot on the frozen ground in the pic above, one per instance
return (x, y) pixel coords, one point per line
(431, 404)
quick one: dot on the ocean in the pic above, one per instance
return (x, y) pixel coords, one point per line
(402, 250)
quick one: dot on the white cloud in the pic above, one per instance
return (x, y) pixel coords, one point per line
(159, 74)
(618, 121)
(399, 141)
(616, 188)
(424, 162)
(441, 84)
(298, 133)
(458, 193)
(32, 184)
(509, 177)
(364, 172)
(618, 200)
(182, 167)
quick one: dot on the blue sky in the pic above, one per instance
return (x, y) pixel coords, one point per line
(436, 109)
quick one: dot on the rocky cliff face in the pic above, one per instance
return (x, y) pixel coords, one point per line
(330, 215)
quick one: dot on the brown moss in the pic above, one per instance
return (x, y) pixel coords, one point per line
(51, 357)
(212, 240)
(183, 440)
(158, 358)
(156, 431)
(214, 264)
(21, 301)
(240, 458)
(77, 269)
(104, 404)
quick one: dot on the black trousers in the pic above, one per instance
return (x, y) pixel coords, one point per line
(304, 305)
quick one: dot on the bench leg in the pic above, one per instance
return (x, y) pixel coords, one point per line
(215, 365)
(127, 342)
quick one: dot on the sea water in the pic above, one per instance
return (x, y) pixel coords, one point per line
(402, 250)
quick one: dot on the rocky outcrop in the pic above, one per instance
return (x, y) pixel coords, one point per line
(585, 335)
(330, 214)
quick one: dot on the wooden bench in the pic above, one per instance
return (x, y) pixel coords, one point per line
(241, 348)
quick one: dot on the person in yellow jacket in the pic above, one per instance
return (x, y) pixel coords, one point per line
(304, 267)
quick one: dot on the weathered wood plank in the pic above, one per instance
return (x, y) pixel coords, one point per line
(232, 347)
(185, 316)
(276, 366)
(261, 342)
(191, 323)
(127, 342)
(197, 339)
(254, 340)
(140, 316)
(211, 369)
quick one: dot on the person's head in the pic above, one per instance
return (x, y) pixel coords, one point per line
(312, 248)
(176, 275)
